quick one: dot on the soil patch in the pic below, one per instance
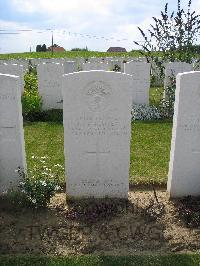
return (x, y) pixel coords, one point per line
(101, 227)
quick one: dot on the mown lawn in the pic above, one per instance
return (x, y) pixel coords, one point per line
(143, 260)
(150, 149)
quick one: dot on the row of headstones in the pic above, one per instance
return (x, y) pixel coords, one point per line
(97, 131)
(79, 61)
(49, 78)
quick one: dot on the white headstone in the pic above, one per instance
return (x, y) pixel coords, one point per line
(94, 59)
(140, 72)
(50, 85)
(97, 128)
(96, 66)
(69, 67)
(156, 72)
(184, 167)
(12, 151)
(174, 68)
(16, 70)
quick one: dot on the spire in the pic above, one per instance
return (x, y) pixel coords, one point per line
(52, 44)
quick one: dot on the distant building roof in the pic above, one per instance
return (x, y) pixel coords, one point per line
(116, 49)
(56, 48)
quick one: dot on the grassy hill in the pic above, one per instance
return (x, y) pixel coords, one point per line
(68, 54)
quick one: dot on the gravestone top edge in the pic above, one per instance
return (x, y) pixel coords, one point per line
(97, 71)
(183, 74)
(9, 76)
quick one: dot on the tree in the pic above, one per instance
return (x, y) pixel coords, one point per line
(44, 48)
(173, 35)
(38, 48)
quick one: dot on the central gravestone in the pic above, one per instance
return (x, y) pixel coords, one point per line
(97, 126)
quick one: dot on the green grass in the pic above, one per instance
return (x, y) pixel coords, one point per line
(70, 54)
(143, 260)
(150, 148)
(45, 139)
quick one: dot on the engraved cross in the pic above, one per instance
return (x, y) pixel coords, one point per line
(98, 153)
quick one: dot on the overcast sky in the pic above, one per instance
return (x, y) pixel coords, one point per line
(113, 22)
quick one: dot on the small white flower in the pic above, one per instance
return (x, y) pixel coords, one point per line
(57, 187)
(43, 183)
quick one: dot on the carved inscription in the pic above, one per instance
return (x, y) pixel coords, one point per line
(51, 83)
(98, 182)
(87, 125)
(6, 97)
(190, 125)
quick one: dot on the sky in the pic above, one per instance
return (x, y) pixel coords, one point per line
(97, 24)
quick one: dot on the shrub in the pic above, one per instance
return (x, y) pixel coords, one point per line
(145, 112)
(41, 184)
(53, 115)
(38, 192)
(116, 68)
(31, 101)
(167, 104)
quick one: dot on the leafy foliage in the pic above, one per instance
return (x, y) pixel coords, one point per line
(167, 103)
(41, 48)
(173, 34)
(116, 68)
(41, 184)
(31, 101)
(38, 192)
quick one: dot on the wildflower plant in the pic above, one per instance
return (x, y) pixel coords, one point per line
(41, 184)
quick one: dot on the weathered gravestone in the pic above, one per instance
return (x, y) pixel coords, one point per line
(140, 72)
(174, 68)
(50, 85)
(94, 59)
(96, 66)
(16, 70)
(184, 167)
(12, 151)
(97, 126)
(69, 67)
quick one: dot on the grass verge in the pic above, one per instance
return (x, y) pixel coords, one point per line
(165, 260)
(149, 152)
